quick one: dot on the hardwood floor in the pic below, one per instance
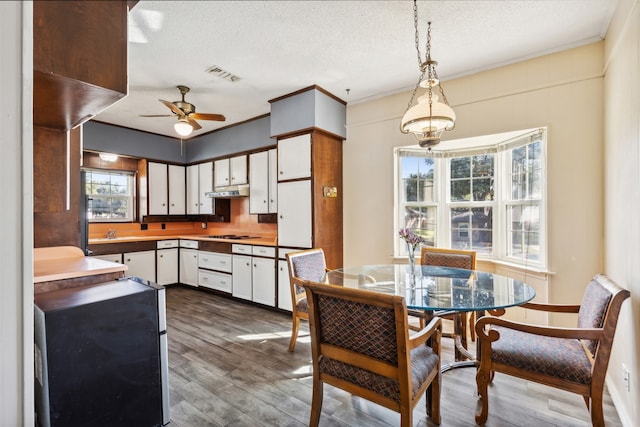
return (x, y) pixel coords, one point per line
(229, 366)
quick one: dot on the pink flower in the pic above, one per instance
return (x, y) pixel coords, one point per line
(412, 239)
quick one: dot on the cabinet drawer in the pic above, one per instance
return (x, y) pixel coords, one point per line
(214, 280)
(241, 249)
(111, 257)
(264, 251)
(162, 244)
(191, 244)
(284, 251)
(214, 261)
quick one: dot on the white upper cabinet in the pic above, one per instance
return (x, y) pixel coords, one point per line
(205, 185)
(193, 198)
(177, 190)
(294, 157)
(231, 171)
(199, 182)
(158, 189)
(273, 181)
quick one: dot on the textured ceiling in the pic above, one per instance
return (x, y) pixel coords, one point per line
(278, 47)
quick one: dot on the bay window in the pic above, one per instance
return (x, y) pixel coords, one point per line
(488, 197)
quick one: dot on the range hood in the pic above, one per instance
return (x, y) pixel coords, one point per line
(229, 191)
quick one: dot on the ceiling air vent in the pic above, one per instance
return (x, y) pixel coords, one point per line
(224, 75)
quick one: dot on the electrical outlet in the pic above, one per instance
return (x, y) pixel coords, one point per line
(626, 378)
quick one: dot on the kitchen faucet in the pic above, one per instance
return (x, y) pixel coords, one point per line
(111, 234)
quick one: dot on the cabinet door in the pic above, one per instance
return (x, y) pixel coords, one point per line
(205, 180)
(294, 214)
(242, 277)
(167, 266)
(238, 170)
(294, 157)
(221, 173)
(193, 193)
(177, 190)
(189, 267)
(158, 189)
(284, 292)
(273, 180)
(264, 281)
(141, 264)
(259, 183)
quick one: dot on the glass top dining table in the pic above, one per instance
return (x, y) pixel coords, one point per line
(435, 288)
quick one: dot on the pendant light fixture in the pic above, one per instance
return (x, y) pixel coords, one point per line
(429, 118)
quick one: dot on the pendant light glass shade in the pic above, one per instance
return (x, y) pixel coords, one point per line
(428, 120)
(183, 127)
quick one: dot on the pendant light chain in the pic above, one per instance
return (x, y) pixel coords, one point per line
(420, 67)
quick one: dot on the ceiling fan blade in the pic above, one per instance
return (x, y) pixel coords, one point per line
(156, 115)
(172, 107)
(193, 123)
(204, 116)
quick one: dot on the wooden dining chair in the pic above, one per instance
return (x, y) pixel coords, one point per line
(360, 343)
(572, 359)
(303, 265)
(454, 258)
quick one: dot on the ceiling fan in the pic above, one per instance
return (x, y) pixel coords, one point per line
(186, 113)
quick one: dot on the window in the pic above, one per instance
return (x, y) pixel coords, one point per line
(487, 197)
(110, 195)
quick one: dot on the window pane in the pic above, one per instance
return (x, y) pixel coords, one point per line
(460, 167)
(460, 190)
(417, 177)
(523, 230)
(483, 165)
(422, 220)
(472, 228)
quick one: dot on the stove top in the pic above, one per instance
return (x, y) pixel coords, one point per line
(230, 237)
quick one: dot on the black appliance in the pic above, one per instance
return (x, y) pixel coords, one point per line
(101, 356)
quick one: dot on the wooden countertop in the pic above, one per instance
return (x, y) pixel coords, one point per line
(260, 240)
(67, 262)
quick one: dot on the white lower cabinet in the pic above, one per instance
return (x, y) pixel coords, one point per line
(263, 277)
(141, 264)
(254, 274)
(189, 266)
(110, 257)
(284, 292)
(214, 280)
(242, 281)
(214, 271)
(167, 263)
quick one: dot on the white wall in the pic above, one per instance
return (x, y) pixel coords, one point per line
(622, 197)
(16, 288)
(562, 91)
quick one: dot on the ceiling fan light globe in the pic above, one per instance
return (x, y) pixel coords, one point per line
(183, 128)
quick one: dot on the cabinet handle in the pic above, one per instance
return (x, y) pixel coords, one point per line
(223, 282)
(161, 256)
(248, 263)
(280, 216)
(205, 259)
(281, 172)
(128, 259)
(223, 262)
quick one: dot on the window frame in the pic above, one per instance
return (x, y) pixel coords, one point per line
(502, 150)
(130, 198)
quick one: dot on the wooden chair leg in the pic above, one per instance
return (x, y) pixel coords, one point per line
(406, 415)
(316, 402)
(482, 382)
(294, 332)
(597, 414)
(472, 324)
(433, 399)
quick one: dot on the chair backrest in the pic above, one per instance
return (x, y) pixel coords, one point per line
(308, 264)
(360, 335)
(599, 308)
(455, 258)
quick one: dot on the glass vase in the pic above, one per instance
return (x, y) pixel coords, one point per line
(411, 251)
